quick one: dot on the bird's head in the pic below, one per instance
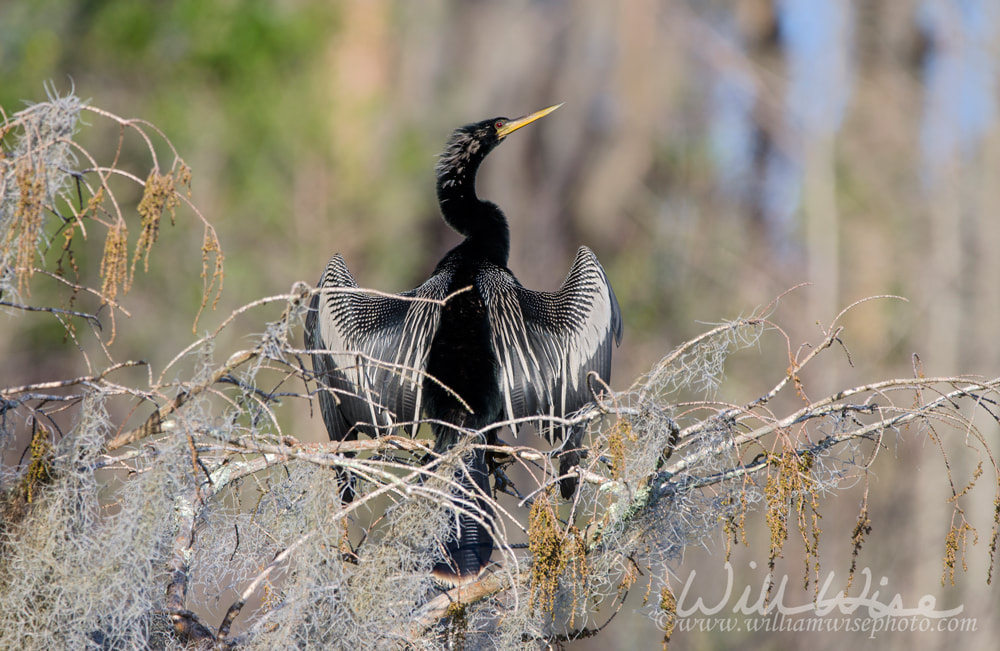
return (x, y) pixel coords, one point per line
(469, 145)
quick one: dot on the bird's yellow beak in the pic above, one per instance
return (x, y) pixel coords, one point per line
(516, 124)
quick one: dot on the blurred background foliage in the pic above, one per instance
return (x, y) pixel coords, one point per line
(713, 153)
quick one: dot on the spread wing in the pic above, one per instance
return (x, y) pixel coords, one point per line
(548, 342)
(369, 351)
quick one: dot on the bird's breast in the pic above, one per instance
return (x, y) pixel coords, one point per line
(461, 359)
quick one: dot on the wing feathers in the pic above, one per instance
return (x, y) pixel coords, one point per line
(548, 342)
(377, 345)
(545, 342)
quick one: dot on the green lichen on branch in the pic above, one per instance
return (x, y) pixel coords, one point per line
(734, 520)
(35, 158)
(40, 467)
(621, 437)
(17, 500)
(557, 553)
(457, 618)
(25, 229)
(993, 538)
(159, 195)
(668, 607)
(955, 544)
(789, 487)
(211, 256)
(114, 267)
(862, 528)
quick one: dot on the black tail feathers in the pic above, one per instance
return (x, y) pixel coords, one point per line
(470, 543)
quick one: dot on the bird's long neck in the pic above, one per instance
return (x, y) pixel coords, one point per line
(481, 222)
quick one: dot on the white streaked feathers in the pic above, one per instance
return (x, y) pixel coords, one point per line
(379, 346)
(546, 343)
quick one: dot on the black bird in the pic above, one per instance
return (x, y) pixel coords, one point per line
(493, 352)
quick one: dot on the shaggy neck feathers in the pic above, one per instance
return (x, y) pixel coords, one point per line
(481, 222)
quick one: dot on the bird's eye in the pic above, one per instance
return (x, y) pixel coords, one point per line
(498, 124)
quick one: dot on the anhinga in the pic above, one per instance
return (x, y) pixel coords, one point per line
(491, 353)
